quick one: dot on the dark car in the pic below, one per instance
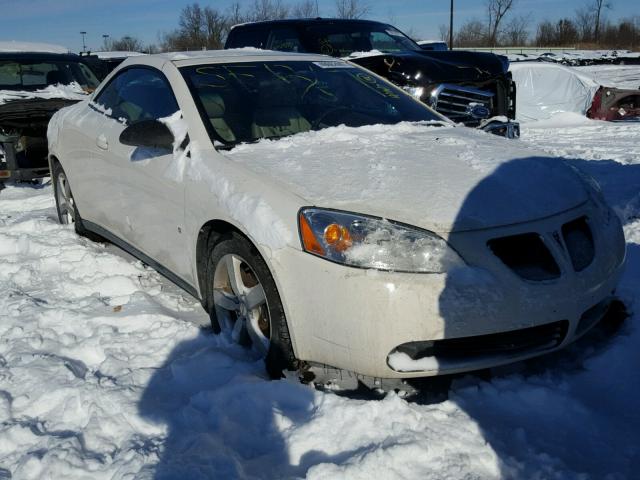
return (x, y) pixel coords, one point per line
(468, 87)
(33, 86)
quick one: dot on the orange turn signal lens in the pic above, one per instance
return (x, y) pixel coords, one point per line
(338, 237)
(309, 240)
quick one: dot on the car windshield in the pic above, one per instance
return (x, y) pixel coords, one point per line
(19, 74)
(341, 40)
(245, 102)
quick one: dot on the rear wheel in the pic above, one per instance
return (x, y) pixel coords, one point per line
(244, 303)
(66, 205)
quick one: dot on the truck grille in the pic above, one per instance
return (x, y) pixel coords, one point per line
(463, 104)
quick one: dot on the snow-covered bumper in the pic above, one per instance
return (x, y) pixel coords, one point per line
(385, 324)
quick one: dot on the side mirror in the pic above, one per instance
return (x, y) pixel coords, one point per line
(148, 133)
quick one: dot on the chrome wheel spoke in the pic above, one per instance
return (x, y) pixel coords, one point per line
(241, 304)
(235, 277)
(225, 300)
(254, 297)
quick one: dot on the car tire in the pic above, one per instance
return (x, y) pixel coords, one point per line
(66, 207)
(233, 252)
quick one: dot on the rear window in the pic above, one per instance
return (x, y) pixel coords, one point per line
(22, 74)
(246, 37)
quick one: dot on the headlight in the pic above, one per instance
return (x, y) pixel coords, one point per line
(417, 92)
(369, 242)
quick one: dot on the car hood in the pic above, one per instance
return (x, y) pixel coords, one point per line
(427, 67)
(440, 178)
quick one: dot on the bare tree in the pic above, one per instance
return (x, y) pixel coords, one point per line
(472, 33)
(198, 28)
(352, 9)
(268, 10)
(584, 20)
(596, 7)
(235, 15)
(443, 32)
(516, 31)
(496, 10)
(305, 9)
(127, 44)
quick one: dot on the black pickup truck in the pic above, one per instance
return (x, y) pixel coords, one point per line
(468, 87)
(33, 86)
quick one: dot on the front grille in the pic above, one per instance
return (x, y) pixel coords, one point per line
(527, 255)
(458, 102)
(579, 241)
(542, 337)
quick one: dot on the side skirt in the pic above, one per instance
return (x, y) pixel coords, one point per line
(165, 272)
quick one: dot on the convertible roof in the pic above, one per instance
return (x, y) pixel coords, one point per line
(249, 54)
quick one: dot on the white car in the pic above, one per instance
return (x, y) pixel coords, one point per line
(332, 223)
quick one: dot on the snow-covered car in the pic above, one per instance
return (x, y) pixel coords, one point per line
(36, 80)
(331, 221)
(545, 89)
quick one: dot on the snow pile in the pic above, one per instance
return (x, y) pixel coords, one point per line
(105, 373)
(543, 90)
(72, 91)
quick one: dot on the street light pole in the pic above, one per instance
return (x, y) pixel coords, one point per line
(451, 27)
(104, 40)
(84, 46)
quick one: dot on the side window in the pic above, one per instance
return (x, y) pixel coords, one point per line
(246, 37)
(137, 94)
(284, 40)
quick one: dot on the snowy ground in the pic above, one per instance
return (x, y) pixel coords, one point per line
(107, 372)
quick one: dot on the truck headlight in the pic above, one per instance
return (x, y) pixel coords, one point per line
(369, 242)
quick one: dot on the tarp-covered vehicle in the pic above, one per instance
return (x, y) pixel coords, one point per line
(546, 89)
(35, 82)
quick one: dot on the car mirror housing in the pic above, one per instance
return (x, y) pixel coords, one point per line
(148, 133)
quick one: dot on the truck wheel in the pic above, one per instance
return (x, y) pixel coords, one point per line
(66, 205)
(244, 303)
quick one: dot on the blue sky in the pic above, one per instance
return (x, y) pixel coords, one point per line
(60, 21)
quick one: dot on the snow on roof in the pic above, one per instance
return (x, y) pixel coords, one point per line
(116, 54)
(28, 47)
(233, 52)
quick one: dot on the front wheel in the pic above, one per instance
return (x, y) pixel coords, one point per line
(244, 303)
(66, 205)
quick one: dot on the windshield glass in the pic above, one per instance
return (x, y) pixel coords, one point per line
(245, 102)
(38, 74)
(341, 40)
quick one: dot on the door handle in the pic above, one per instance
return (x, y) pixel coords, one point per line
(102, 143)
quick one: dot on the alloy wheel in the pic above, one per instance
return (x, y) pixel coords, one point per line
(241, 304)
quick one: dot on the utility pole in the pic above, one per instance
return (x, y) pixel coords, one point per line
(104, 40)
(84, 46)
(451, 27)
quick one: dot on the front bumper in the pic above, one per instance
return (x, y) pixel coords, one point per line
(353, 319)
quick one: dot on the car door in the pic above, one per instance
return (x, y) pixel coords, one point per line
(151, 212)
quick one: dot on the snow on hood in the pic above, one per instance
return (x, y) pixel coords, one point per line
(70, 92)
(440, 178)
(543, 90)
